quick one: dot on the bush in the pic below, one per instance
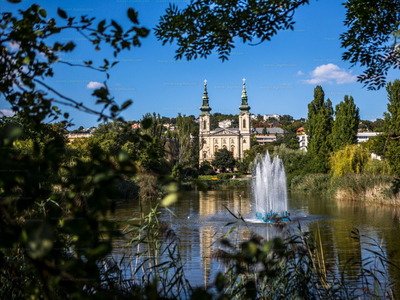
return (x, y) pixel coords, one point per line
(206, 169)
(225, 176)
(311, 183)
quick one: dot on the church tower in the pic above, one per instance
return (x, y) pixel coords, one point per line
(205, 116)
(244, 115)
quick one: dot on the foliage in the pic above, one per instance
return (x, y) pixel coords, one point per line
(380, 188)
(368, 43)
(294, 267)
(345, 126)
(296, 162)
(206, 168)
(177, 172)
(223, 159)
(311, 184)
(183, 143)
(392, 126)
(351, 159)
(318, 129)
(376, 167)
(205, 26)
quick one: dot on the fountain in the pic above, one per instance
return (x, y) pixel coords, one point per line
(269, 189)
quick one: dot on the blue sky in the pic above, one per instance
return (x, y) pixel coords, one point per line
(280, 75)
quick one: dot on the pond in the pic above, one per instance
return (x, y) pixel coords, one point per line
(199, 216)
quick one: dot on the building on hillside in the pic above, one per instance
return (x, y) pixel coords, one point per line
(253, 117)
(225, 123)
(73, 136)
(365, 136)
(361, 137)
(274, 116)
(135, 126)
(236, 140)
(303, 138)
(272, 134)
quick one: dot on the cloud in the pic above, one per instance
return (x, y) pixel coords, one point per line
(94, 85)
(329, 73)
(6, 113)
(300, 73)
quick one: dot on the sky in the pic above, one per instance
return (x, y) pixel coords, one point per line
(280, 74)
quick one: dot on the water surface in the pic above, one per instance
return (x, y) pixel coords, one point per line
(200, 215)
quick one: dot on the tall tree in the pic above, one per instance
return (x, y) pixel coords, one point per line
(319, 130)
(345, 126)
(392, 126)
(223, 159)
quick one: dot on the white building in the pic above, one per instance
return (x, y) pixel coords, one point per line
(275, 116)
(270, 137)
(236, 140)
(365, 136)
(225, 123)
(361, 137)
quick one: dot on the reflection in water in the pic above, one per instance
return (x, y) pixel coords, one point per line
(199, 216)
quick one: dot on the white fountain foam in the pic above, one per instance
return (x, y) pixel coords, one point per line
(269, 185)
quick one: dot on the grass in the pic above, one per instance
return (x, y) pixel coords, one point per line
(382, 189)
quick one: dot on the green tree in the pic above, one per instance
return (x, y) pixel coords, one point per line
(264, 131)
(223, 159)
(206, 168)
(350, 159)
(319, 129)
(392, 126)
(345, 126)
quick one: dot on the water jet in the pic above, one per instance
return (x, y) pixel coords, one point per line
(269, 189)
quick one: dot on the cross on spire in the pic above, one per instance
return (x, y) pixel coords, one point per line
(244, 80)
(205, 81)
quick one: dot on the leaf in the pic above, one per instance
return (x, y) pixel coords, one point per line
(43, 13)
(100, 26)
(169, 199)
(126, 104)
(62, 13)
(132, 14)
(146, 123)
(123, 156)
(39, 239)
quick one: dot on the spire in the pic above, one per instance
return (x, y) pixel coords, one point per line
(205, 108)
(245, 106)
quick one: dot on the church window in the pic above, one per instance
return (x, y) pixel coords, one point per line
(244, 123)
(205, 155)
(204, 125)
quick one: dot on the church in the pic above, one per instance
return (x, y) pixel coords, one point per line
(236, 140)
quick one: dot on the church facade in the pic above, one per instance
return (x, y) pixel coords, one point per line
(236, 140)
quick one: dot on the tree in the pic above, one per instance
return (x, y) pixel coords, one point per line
(392, 126)
(206, 168)
(368, 43)
(54, 235)
(264, 131)
(345, 126)
(350, 159)
(318, 129)
(223, 159)
(206, 26)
